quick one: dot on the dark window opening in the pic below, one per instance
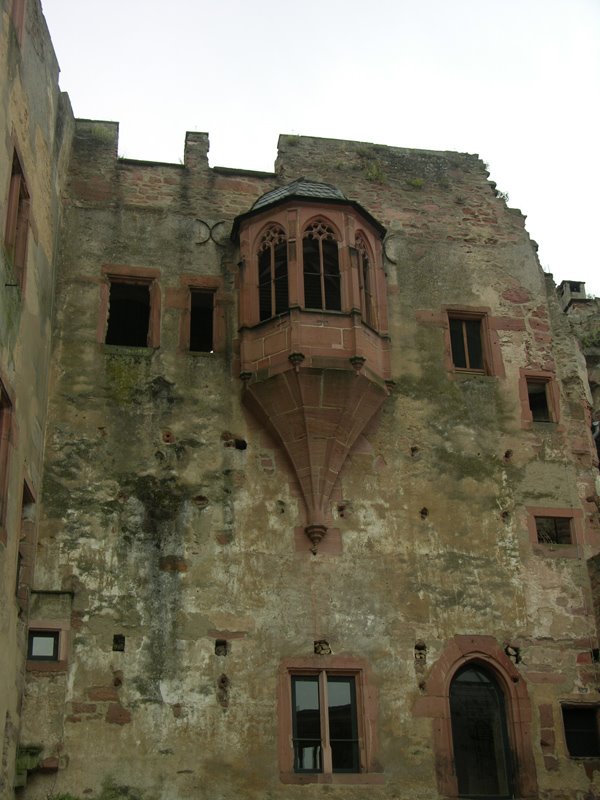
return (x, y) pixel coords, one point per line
(129, 314)
(273, 274)
(118, 644)
(324, 717)
(554, 530)
(202, 308)
(5, 426)
(320, 254)
(479, 735)
(43, 646)
(574, 286)
(466, 344)
(365, 281)
(538, 400)
(17, 220)
(581, 731)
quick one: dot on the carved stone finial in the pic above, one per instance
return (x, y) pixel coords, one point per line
(296, 359)
(357, 362)
(315, 533)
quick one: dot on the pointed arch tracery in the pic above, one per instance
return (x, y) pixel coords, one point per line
(366, 277)
(321, 265)
(273, 295)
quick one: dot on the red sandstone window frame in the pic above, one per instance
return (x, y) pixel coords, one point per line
(575, 515)
(6, 441)
(366, 712)
(16, 232)
(63, 629)
(484, 651)
(124, 274)
(181, 299)
(548, 379)
(490, 344)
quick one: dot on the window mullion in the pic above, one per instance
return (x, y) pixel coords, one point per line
(466, 344)
(322, 274)
(324, 710)
(273, 300)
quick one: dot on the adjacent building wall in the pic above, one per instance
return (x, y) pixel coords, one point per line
(36, 126)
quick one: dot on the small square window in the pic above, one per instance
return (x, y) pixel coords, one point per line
(581, 731)
(554, 530)
(466, 342)
(128, 314)
(537, 394)
(202, 304)
(43, 645)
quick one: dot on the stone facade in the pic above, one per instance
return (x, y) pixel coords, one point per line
(185, 606)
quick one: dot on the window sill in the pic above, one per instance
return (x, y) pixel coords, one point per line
(340, 778)
(127, 350)
(46, 666)
(556, 550)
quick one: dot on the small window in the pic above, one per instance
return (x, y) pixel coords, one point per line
(537, 393)
(325, 733)
(581, 731)
(554, 530)
(365, 279)
(5, 427)
(273, 273)
(43, 645)
(202, 305)
(17, 221)
(466, 343)
(574, 286)
(129, 314)
(320, 253)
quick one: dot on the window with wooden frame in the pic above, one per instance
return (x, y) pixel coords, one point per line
(5, 434)
(582, 730)
(17, 221)
(320, 255)
(539, 397)
(273, 273)
(467, 342)
(202, 310)
(365, 281)
(554, 530)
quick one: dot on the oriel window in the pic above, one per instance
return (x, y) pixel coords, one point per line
(273, 273)
(320, 253)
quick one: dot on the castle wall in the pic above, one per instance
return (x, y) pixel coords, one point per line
(35, 129)
(159, 526)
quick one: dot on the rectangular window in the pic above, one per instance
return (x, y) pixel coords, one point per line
(537, 393)
(5, 427)
(43, 645)
(17, 221)
(554, 530)
(202, 304)
(581, 731)
(466, 343)
(324, 723)
(128, 313)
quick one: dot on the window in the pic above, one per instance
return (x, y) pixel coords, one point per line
(581, 731)
(129, 313)
(202, 305)
(553, 530)
(479, 735)
(17, 221)
(324, 723)
(466, 343)
(365, 281)
(5, 432)
(322, 289)
(538, 400)
(43, 645)
(273, 273)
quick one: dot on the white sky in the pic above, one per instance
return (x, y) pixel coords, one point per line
(517, 81)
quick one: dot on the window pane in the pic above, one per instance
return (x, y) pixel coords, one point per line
(43, 646)
(306, 723)
(342, 723)
(281, 279)
(581, 731)
(457, 344)
(473, 329)
(201, 322)
(129, 314)
(538, 400)
(479, 735)
(264, 284)
(553, 530)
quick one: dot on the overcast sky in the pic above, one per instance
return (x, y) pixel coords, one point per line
(517, 81)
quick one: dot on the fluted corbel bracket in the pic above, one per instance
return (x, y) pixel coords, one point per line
(357, 362)
(316, 534)
(296, 359)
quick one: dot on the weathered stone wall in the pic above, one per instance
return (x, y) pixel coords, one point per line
(171, 537)
(35, 122)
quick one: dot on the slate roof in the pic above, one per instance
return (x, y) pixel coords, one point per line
(300, 188)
